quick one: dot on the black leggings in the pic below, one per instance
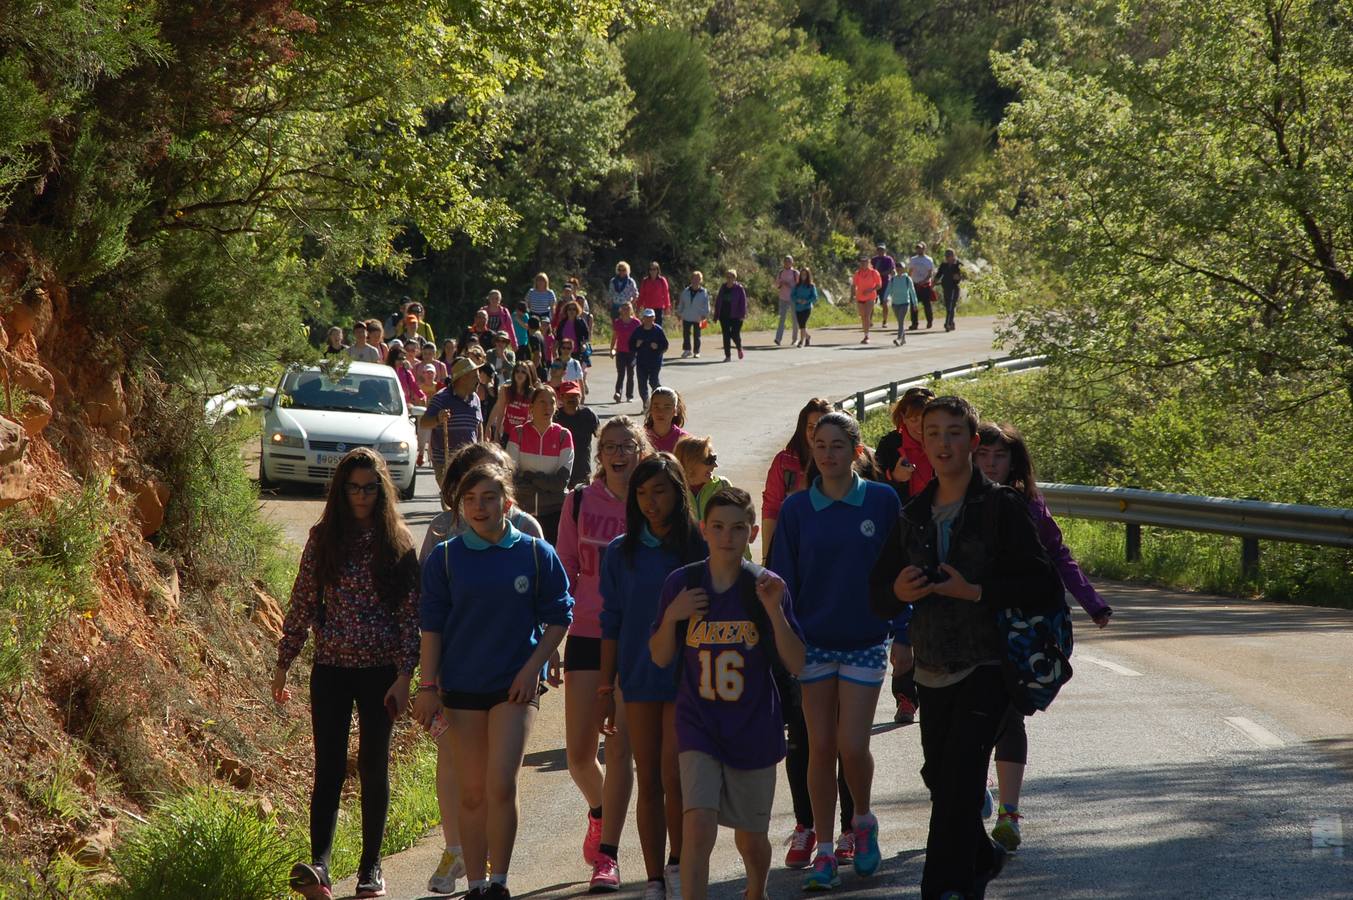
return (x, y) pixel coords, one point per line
(1013, 743)
(624, 372)
(732, 334)
(796, 766)
(333, 691)
(802, 316)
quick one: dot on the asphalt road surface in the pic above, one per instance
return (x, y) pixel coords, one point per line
(1203, 749)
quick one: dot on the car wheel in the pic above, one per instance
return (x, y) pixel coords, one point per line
(407, 493)
(264, 482)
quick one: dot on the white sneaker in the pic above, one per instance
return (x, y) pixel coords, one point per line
(653, 890)
(671, 876)
(696, 355)
(451, 867)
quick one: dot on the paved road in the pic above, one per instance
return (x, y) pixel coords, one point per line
(1204, 748)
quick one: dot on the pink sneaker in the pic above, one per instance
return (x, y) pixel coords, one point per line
(592, 843)
(739, 353)
(801, 844)
(605, 875)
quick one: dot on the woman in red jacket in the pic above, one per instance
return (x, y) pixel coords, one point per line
(655, 293)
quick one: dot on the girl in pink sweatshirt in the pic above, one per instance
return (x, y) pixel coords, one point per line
(591, 518)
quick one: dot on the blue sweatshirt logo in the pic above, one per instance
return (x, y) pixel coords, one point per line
(867, 528)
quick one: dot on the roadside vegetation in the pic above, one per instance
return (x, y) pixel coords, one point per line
(1155, 435)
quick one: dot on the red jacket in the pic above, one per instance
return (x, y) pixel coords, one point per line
(655, 293)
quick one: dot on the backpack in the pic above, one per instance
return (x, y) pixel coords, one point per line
(1037, 646)
(786, 683)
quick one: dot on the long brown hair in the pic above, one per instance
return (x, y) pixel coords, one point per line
(798, 444)
(394, 562)
(1021, 464)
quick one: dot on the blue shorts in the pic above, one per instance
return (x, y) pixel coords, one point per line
(866, 666)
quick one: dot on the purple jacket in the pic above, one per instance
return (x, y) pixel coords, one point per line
(1072, 576)
(731, 302)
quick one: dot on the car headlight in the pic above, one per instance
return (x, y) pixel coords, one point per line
(395, 447)
(281, 439)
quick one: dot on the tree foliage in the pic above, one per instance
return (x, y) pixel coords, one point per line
(1181, 181)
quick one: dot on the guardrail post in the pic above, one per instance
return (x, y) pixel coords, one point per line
(1249, 557)
(1134, 542)
(892, 392)
(859, 405)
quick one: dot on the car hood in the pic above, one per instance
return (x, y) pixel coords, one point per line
(346, 427)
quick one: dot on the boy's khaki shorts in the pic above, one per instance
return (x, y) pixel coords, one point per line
(743, 797)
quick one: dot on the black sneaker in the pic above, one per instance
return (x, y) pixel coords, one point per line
(311, 881)
(984, 878)
(497, 892)
(371, 883)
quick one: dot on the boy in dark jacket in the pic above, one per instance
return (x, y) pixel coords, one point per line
(963, 549)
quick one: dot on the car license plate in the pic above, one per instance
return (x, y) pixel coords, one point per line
(328, 459)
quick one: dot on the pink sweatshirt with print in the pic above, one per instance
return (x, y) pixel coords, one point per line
(580, 546)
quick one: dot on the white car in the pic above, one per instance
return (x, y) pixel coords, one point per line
(315, 418)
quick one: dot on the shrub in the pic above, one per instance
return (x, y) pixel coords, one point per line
(47, 556)
(204, 845)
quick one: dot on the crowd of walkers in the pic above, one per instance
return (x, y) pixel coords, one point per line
(610, 562)
(547, 336)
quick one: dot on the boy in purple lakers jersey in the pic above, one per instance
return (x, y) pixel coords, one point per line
(730, 625)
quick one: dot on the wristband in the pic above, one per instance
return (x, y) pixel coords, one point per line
(605, 690)
(425, 688)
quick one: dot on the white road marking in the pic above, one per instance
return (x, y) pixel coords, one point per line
(1255, 732)
(1105, 664)
(1327, 837)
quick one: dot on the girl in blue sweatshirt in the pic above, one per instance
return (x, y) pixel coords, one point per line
(826, 541)
(659, 538)
(495, 605)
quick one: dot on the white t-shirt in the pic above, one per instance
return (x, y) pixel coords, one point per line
(364, 353)
(920, 268)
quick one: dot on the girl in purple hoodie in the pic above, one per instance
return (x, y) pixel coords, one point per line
(1004, 458)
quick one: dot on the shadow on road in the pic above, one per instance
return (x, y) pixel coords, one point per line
(1149, 612)
(1237, 825)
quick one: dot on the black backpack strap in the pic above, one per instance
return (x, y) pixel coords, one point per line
(757, 614)
(577, 509)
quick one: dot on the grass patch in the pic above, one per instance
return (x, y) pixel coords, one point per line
(207, 845)
(1268, 443)
(47, 557)
(413, 809)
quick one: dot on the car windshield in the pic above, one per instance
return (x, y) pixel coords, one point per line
(353, 392)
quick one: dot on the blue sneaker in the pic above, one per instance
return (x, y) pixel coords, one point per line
(824, 876)
(867, 855)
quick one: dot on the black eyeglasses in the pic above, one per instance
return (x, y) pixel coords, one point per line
(369, 490)
(627, 447)
(712, 459)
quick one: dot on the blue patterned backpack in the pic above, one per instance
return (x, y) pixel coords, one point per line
(1037, 660)
(1037, 656)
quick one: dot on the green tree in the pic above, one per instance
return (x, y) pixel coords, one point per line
(1181, 189)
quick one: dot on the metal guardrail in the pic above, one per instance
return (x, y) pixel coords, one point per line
(885, 395)
(1250, 520)
(1243, 518)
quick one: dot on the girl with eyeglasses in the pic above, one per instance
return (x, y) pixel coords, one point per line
(357, 589)
(591, 518)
